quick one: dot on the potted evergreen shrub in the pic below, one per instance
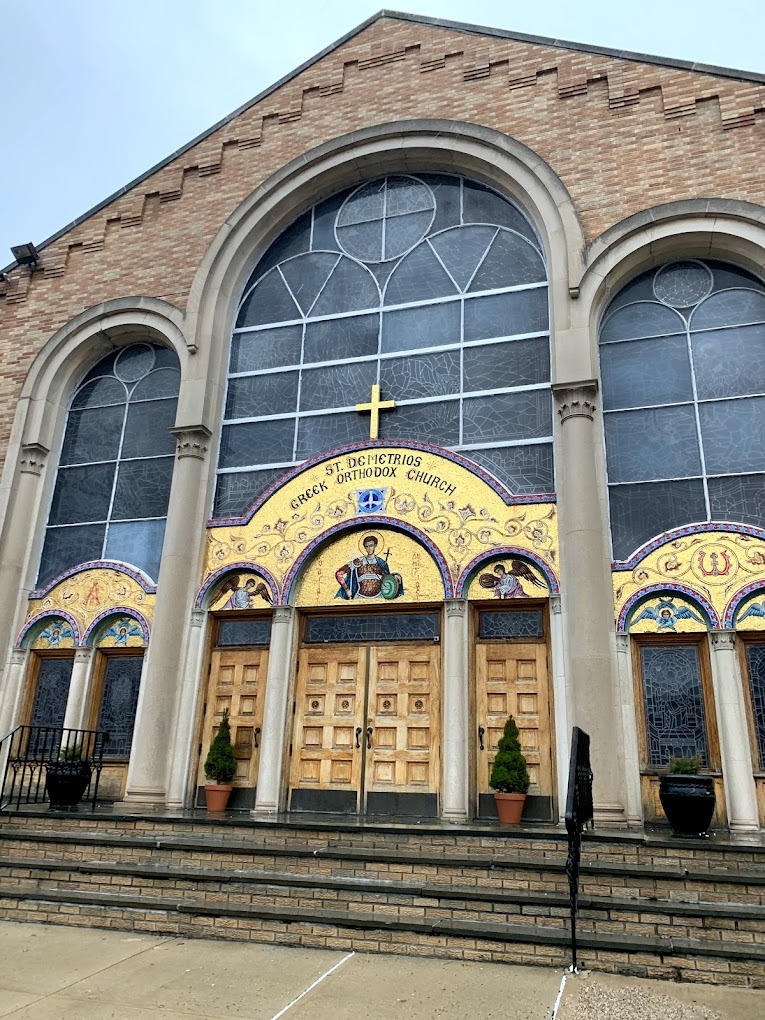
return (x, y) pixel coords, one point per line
(688, 798)
(67, 779)
(509, 776)
(220, 768)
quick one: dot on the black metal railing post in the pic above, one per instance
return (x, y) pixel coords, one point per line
(27, 751)
(579, 814)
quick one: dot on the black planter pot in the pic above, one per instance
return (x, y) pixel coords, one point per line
(688, 802)
(66, 782)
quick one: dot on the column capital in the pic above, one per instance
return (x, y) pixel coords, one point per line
(622, 642)
(83, 654)
(283, 614)
(191, 441)
(18, 656)
(455, 607)
(198, 617)
(555, 604)
(33, 457)
(723, 640)
(576, 400)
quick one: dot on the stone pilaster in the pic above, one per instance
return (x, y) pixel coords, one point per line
(181, 783)
(14, 674)
(562, 748)
(586, 578)
(273, 738)
(79, 685)
(158, 701)
(634, 803)
(455, 796)
(735, 746)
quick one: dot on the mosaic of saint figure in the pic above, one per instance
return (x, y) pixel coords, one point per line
(369, 576)
(506, 583)
(666, 615)
(242, 594)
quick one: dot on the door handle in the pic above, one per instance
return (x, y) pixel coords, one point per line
(255, 737)
(369, 736)
(481, 731)
(358, 734)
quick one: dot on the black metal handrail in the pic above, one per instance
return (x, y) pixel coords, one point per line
(27, 752)
(579, 814)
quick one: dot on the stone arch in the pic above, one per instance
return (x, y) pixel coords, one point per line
(640, 596)
(137, 575)
(97, 624)
(207, 589)
(291, 581)
(467, 574)
(32, 625)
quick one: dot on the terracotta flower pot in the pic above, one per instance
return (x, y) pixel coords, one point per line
(509, 807)
(216, 795)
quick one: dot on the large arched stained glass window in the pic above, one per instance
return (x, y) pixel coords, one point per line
(682, 356)
(116, 464)
(430, 286)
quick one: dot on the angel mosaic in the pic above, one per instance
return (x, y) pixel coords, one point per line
(242, 592)
(121, 632)
(755, 609)
(506, 582)
(666, 614)
(54, 634)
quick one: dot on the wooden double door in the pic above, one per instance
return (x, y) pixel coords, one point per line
(367, 726)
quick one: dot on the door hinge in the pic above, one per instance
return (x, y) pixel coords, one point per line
(290, 748)
(294, 707)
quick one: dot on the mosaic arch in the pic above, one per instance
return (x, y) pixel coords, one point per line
(453, 508)
(666, 612)
(118, 628)
(372, 565)
(506, 574)
(715, 566)
(49, 631)
(238, 586)
(747, 611)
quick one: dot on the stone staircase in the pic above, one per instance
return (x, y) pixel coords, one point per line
(654, 907)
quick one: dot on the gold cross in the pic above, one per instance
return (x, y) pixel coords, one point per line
(374, 406)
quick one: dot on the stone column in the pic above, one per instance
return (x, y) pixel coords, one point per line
(455, 796)
(273, 737)
(735, 747)
(15, 673)
(152, 751)
(79, 686)
(16, 535)
(560, 702)
(629, 732)
(586, 579)
(183, 742)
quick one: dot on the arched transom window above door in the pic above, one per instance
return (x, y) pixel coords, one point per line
(682, 359)
(430, 287)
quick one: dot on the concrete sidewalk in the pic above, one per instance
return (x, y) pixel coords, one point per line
(61, 973)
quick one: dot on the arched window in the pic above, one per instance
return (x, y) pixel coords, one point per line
(682, 358)
(116, 464)
(430, 286)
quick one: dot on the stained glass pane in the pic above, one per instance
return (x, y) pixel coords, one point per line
(428, 423)
(525, 415)
(251, 396)
(730, 308)
(325, 431)
(362, 240)
(337, 385)
(134, 362)
(516, 623)
(653, 444)
(421, 375)
(93, 434)
(729, 362)
(480, 205)
(353, 336)
(642, 319)
(418, 277)
(638, 512)
(164, 382)
(147, 433)
(82, 494)
(673, 703)
(66, 547)
(305, 276)
(401, 232)
(122, 682)
(738, 498)
(350, 288)
(294, 240)
(733, 433)
(368, 203)
(391, 627)
(628, 383)
(521, 311)
(143, 488)
(461, 251)
(324, 217)
(258, 442)
(268, 348)
(138, 543)
(755, 660)
(269, 301)
(523, 469)
(446, 191)
(510, 262)
(100, 393)
(429, 326)
(521, 363)
(237, 491)
(243, 632)
(53, 681)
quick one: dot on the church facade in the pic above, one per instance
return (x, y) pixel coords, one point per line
(425, 389)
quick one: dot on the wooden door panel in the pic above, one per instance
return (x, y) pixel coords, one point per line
(329, 708)
(511, 679)
(404, 713)
(237, 683)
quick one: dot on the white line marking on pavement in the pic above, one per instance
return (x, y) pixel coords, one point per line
(310, 988)
(556, 1007)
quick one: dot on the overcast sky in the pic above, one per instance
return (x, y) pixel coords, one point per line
(97, 91)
